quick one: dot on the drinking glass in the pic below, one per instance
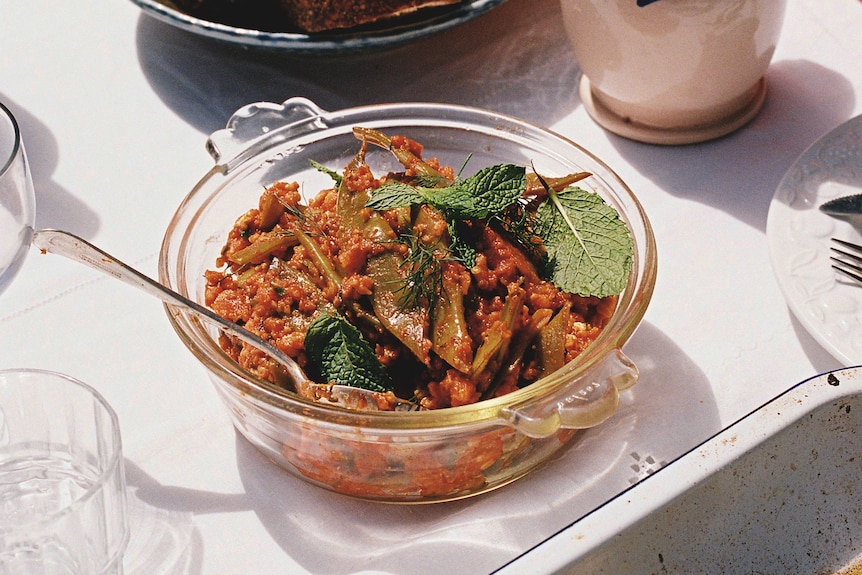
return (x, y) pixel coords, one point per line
(17, 201)
(63, 507)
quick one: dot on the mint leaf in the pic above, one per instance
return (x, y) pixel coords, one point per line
(487, 192)
(336, 177)
(454, 200)
(395, 195)
(589, 247)
(461, 250)
(343, 356)
(492, 190)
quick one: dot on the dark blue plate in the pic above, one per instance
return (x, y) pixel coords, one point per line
(400, 31)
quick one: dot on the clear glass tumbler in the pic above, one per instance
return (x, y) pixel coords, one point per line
(17, 199)
(63, 507)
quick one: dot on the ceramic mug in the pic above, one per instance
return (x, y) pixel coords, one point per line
(673, 71)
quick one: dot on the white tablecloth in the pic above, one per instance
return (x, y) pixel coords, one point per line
(115, 108)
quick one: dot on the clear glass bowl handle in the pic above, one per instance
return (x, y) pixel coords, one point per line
(262, 125)
(585, 402)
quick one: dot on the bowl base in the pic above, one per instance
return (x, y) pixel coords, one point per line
(671, 136)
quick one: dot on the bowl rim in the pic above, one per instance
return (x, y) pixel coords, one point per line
(631, 305)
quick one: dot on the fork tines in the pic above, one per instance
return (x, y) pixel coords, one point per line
(852, 268)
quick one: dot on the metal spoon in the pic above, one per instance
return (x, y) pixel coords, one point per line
(75, 248)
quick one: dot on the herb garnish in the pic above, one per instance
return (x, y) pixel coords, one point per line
(343, 356)
(336, 177)
(588, 249)
(487, 192)
(424, 272)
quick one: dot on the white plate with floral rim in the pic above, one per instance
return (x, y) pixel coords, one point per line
(826, 303)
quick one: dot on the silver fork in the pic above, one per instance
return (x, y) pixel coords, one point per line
(847, 262)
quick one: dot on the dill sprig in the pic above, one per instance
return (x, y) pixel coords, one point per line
(520, 224)
(423, 281)
(307, 224)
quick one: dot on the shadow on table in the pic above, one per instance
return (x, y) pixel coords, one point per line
(56, 207)
(668, 412)
(739, 173)
(513, 60)
(160, 541)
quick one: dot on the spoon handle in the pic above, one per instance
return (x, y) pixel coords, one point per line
(73, 247)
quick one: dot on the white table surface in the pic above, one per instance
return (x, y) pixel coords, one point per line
(115, 108)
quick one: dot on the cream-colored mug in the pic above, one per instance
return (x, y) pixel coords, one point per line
(673, 71)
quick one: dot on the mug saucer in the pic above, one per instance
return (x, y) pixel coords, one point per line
(670, 136)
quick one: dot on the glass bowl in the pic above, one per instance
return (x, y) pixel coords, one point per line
(423, 456)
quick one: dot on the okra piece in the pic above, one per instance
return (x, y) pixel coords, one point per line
(270, 210)
(535, 183)
(449, 335)
(552, 342)
(320, 259)
(497, 341)
(407, 158)
(513, 362)
(262, 249)
(351, 206)
(409, 325)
